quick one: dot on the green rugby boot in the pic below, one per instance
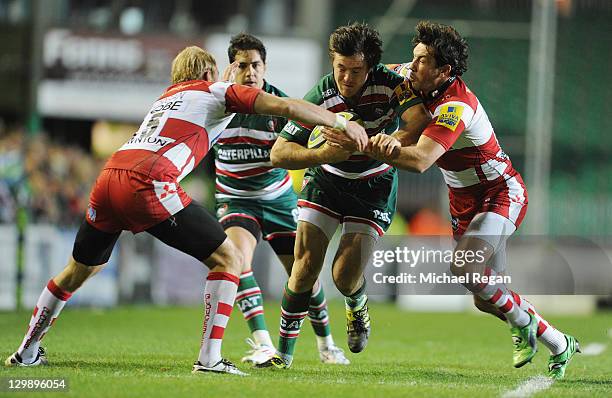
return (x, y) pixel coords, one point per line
(558, 363)
(525, 342)
(358, 328)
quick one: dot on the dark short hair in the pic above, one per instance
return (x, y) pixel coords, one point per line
(244, 42)
(448, 45)
(356, 38)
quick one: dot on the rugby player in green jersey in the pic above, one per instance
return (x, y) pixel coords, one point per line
(255, 200)
(344, 187)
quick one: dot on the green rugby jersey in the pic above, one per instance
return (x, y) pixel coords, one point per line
(242, 157)
(385, 96)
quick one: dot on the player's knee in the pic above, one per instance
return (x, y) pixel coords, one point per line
(458, 269)
(344, 286)
(234, 262)
(227, 258)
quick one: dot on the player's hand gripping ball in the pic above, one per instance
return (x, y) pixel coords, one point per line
(316, 138)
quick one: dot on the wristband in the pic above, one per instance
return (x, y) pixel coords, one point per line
(340, 123)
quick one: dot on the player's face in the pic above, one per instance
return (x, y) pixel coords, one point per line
(425, 74)
(251, 68)
(350, 73)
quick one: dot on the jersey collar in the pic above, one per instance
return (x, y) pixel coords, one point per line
(434, 95)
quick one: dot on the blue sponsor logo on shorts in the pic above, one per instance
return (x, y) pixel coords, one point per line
(91, 213)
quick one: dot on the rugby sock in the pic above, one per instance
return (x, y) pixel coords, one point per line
(294, 308)
(355, 301)
(49, 305)
(500, 296)
(319, 319)
(553, 339)
(250, 302)
(219, 295)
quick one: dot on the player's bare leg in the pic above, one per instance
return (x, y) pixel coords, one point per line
(353, 253)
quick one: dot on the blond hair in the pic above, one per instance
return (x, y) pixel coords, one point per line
(191, 64)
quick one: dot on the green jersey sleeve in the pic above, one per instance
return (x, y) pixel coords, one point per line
(296, 132)
(299, 132)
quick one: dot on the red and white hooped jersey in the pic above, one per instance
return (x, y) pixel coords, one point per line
(473, 157)
(181, 127)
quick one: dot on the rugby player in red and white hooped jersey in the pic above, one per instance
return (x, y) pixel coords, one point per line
(488, 199)
(138, 190)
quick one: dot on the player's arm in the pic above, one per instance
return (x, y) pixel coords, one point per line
(305, 112)
(416, 158)
(291, 155)
(415, 119)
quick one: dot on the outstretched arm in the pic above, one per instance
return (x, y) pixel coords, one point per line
(416, 158)
(293, 156)
(415, 119)
(308, 113)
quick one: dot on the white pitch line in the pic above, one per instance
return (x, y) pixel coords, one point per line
(529, 387)
(593, 349)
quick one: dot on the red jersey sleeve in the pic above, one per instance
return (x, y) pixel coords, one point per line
(448, 123)
(443, 135)
(240, 99)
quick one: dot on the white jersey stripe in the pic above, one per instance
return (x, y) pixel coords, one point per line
(331, 102)
(460, 179)
(178, 155)
(353, 176)
(240, 167)
(273, 191)
(517, 198)
(495, 169)
(246, 132)
(187, 169)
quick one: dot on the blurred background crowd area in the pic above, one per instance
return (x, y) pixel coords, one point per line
(79, 75)
(43, 181)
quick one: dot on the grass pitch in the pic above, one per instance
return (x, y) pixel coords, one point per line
(148, 352)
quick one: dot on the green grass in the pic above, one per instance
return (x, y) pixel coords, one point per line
(148, 352)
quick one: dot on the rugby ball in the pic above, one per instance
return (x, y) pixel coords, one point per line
(316, 138)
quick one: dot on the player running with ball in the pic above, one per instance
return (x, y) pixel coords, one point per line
(488, 198)
(139, 190)
(256, 199)
(343, 186)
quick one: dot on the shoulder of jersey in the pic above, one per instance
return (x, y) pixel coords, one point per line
(460, 92)
(197, 85)
(274, 90)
